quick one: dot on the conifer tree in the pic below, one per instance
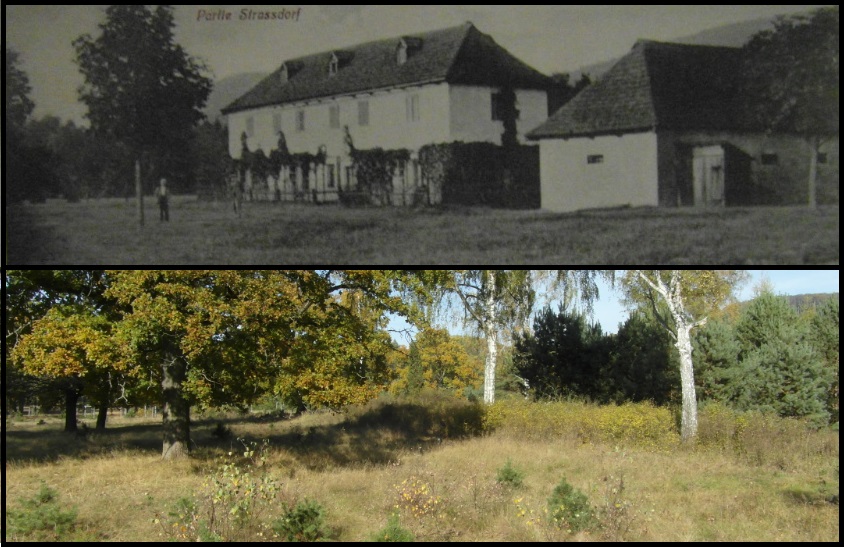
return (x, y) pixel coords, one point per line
(779, 370)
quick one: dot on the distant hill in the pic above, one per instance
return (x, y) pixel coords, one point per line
(804, 302)
(733, 35)
(228, 89)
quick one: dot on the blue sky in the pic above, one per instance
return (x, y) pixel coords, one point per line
(609, 311)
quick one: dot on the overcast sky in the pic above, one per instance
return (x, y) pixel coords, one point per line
(550, 38)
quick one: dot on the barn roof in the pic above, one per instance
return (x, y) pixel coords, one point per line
(656, 86)
(458, 55)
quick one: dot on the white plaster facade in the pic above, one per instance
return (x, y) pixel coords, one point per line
(600, 172)
(391, 122)
(398, 118)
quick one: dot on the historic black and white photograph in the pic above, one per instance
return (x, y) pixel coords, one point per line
(421, 135)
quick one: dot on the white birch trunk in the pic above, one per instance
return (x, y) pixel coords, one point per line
(491, 332)
(673, 296)
(688, 429)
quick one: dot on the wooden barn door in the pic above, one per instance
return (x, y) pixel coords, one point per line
(708, 172)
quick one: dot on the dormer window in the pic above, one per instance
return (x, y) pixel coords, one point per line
(333, 65)
(406, 48)
(288, 70)
(338, 61)
(401, 53)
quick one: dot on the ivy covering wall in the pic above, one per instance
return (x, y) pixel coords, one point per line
(483, 174)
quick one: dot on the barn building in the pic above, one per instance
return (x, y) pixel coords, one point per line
(663, 128)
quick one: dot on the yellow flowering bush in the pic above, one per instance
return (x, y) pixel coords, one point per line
(415, 499)
(637, 424)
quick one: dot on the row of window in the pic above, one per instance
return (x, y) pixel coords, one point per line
(500, 111)
(411, 105)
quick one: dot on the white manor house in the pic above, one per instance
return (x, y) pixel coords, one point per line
(402, 93)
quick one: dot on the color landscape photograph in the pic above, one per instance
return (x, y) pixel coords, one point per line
(421, 405)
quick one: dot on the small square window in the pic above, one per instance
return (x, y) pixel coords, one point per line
(823, 158)
(595, 159)
(770, 159)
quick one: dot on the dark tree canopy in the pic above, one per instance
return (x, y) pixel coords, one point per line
(141, 87)
(562, 357)
(791, 81)
(792, 75)
(18, 104)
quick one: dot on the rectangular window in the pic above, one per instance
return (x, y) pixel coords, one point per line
(822, 157)
(595, 159)
(363, 113)
(499, 108)
(334, 116)
(412, 108)
(770, 159)
(332, 181)
(250, 127)
(300, 120)
(276, 124)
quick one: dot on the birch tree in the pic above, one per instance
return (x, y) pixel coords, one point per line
(496, 300)
(681, 300)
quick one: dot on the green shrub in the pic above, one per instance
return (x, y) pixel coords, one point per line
(305, 521)
(569, 508)
(510, 476)
(233, 503)
(758, 438)
(40, 518)
(393, 532)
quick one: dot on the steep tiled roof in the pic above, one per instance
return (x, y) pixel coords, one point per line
(461, 55)
(656, 86)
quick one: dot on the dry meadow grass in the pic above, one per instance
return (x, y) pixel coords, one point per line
(354, 465)
(106, 232)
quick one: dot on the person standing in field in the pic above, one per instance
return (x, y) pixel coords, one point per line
(163, 195)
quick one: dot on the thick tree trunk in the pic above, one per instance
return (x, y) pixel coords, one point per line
(70, 400)
(491, 333)
(102, 413)
(176, 412)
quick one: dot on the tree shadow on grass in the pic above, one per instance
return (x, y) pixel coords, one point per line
(376, 436)
(51, 443)
(379, 435)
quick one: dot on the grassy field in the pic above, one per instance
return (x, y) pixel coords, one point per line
(358, 467)
(106, 232)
